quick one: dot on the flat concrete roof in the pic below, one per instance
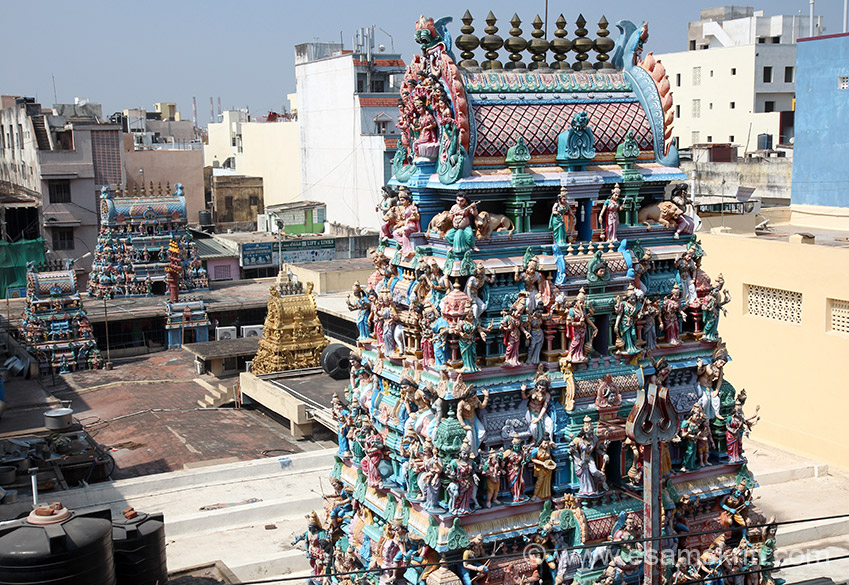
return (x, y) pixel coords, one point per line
(338, 265)
(222, 348)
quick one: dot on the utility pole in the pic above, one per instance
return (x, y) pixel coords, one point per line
(108, 364)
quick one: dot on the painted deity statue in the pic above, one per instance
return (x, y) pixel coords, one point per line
(712, 306)
(537, 416)
(492, 472)
(477, 289)
(439, 284)
(430, 477)
(584, 448)
(607, 393)
(544, 467)
(513, 328)
(562, 220)
(515, 461)
(577, 326)
(533, 283)
(688, 435)
(463, 215)
(428, 318)
(387, 209)
(467, 412)
(537, 335)
(737, 425)
(425, 126)
(650, 315)
(408, 223)
(464, 481)
(710, 379)
(671, 311)
(359, 301)
(441, 328)
(626, 323)
(318, 544)
(609, 215)
(685, 264)
(468, 331)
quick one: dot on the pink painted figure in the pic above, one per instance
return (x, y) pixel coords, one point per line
(513, 328)
(428, 317)
(426, 125)
(514, 466)
(374, 454)
(609, 215)
(670, 311)
(408, 223)
(576, 329)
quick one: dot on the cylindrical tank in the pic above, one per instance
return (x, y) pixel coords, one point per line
(139, 541)
(205, 217)
(56, 546)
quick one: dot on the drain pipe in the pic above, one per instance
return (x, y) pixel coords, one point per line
(812, 19)
(33, 473)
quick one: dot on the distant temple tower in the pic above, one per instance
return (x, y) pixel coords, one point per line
(136, 231)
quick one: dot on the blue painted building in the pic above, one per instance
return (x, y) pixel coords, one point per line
(820, 174)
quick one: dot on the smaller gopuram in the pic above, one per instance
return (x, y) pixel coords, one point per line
(292, 337)
(186, 322)
(132, 252)
(54, 325)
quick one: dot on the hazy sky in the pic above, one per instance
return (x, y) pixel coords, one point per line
(125, 53)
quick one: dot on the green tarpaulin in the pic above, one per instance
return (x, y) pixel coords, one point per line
(13, 261)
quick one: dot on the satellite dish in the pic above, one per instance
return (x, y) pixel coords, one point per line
(381, 48)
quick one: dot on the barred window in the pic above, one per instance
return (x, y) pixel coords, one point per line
(838, 312)
(775, 304)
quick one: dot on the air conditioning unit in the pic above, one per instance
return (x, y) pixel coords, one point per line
(252, 330)
(225, 333)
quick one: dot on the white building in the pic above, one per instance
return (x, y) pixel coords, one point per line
(347, 110)
(737, 80)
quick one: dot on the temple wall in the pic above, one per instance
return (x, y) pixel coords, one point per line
(794, 370)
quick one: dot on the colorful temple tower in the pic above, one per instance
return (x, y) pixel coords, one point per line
(136, 232)
(54, 325)
(537, 318)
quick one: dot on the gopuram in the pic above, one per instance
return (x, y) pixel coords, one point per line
(132, 253)
(54, 326)
(538, 323)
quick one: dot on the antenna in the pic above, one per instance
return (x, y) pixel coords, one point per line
(219, 106)
(391, 40)
(194, 112)
(55, 99)
(211, 111)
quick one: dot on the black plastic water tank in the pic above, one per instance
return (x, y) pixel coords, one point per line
(66, 548)
(139, 541)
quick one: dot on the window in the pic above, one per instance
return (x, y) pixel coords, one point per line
(697, 75)
(2, 137)
(693, 45)
(710, 106)
(380, 127)
(221, 272)
(695, 137)
(769, 106)
(731, 138)
(20, 137)
(710, 138)
(733, 71)
(63, 238)
(711, 72)
(677, 110)
(843, 82)
(788, 74)
(320, 215)
(228, 202)
(677, 80)
(378, 86)
(59, 190)
(767, 74)
(838, 316)
(774, 303)
(697, 108)
(732, 105)
(253, 201)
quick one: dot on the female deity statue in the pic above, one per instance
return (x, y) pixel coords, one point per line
(577, 322)
(650, 314)
(376, 322)
(514, 466)
(408, 220)
(584, 448)
(361, 304)
(710, 378)
(464, 215)
(608, 216)
(562, 220)
(387, 210)
(439, 284)
(671, 310)
(365, 388)
(463, 476)
(626, 323)
(424, 125)
(511, 325)
(537, 336)
(430, 477)
(712, 305)
(544, 467)
(492, 472)
(539, 421)
(477, 288)
(468, 332)
(426, 330)
(410, 451)
(688, 435)
(374, 452)
(533, 282)
(467, 412)
(393, 330)
(441, 329)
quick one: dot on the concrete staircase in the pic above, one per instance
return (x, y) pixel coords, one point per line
(218, 394)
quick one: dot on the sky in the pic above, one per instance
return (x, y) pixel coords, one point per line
(126, 54)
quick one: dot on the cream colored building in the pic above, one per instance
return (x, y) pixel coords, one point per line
(787, 329)
(269, 150)
(736, 81)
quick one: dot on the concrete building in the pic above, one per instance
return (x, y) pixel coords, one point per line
(266, 148)
(736, 81)
(788, 321)
(236, 201)
(347, 111)
(60, 158)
